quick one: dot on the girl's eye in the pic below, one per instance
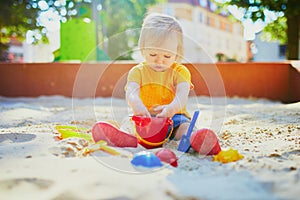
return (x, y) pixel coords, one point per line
(167, 56)
(152, 54)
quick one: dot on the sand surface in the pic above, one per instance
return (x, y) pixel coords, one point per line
(35, 165)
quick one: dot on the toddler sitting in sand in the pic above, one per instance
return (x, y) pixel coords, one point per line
(160, 85)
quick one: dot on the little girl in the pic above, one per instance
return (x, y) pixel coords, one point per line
(160, 85)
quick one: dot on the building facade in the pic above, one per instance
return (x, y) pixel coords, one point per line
(208, 36)
(267, 51)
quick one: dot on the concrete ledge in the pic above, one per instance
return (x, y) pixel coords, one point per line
(275, 81)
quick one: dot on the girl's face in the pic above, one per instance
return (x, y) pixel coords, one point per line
(162, 57)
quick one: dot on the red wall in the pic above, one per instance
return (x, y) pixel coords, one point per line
(294, 87)
(275, 81)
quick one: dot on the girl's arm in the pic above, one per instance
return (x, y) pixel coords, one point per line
(180, 100)
(134, 100)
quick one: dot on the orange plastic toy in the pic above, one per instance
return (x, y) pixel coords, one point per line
(230, 155)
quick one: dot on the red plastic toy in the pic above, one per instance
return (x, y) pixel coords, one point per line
(205, 142)
(152, 132)
(112, 135)
(167, 156)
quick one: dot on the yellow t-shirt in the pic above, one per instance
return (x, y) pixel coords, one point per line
(159, 88)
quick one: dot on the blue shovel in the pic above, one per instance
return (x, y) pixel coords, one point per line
(185, 143)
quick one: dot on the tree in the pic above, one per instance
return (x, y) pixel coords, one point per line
(115, 23)
(19, 16)
(117, 18)
(15, 18)
(256, 9)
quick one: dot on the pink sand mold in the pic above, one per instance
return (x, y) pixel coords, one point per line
(112, 135)
(205, 142)
(167, 156)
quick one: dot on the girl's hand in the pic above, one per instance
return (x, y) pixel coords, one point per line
(133, 99)
(164, 111)
(141, 111)
(180, 100)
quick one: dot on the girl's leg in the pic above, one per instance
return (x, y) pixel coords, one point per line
(181, 124)
(181, 130)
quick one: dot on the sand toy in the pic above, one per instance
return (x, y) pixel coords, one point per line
(167, 156)
(152, 132)
(67, 131)
(102, 145)
(146, 159)
(112, 135)
(185, 143)
(205, 142)
(226, 156)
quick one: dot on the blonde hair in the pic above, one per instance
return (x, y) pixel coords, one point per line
(157, 28)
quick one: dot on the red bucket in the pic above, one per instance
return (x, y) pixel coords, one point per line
(152, 132)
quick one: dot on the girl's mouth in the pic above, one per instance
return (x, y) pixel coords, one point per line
(158, 68)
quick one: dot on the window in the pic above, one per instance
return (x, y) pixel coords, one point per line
(169, 11)
(217, 23)
(203, 3)
(210, 21)
(213, 6)
(228, 27)
(282, 50)
(201, 17)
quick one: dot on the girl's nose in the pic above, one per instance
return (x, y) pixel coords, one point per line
(159, 60)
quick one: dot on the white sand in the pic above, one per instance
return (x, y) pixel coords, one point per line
(33, 165)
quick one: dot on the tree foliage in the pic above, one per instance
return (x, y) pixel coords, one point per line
(276, 31)
(19, 16)
(118, 17)
(15, 18)
(285, 28)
